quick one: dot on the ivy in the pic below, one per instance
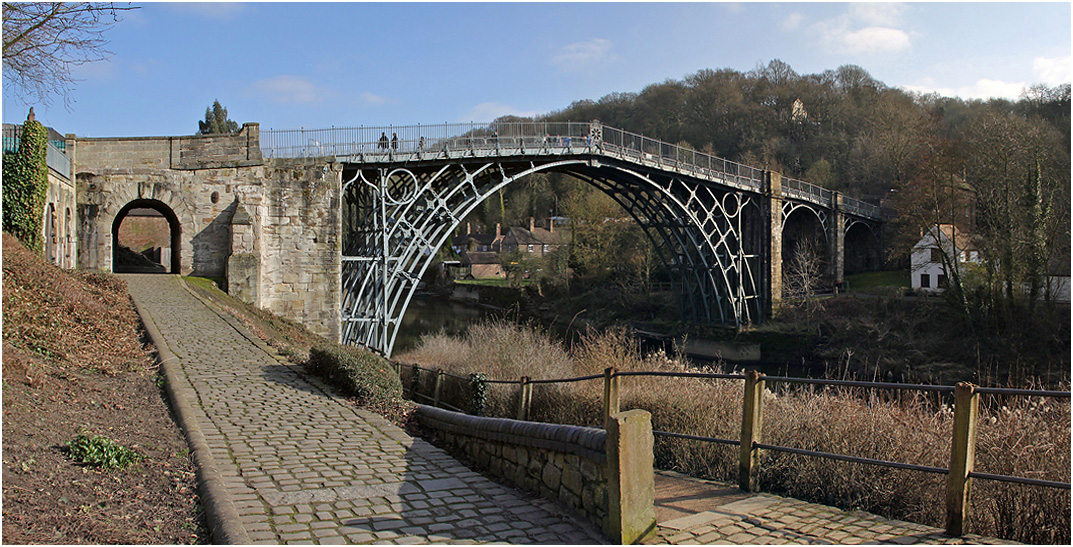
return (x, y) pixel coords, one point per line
(25, 187)
(478, 394)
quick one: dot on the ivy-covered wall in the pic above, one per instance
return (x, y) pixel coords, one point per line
(25, 185)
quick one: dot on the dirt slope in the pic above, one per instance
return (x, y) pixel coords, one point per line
(73, 360)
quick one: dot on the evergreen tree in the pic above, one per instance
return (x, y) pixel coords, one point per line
(216, 121)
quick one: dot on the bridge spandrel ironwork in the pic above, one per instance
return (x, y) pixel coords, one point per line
(407, 188)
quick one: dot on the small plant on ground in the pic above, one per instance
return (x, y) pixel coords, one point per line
(99, 451)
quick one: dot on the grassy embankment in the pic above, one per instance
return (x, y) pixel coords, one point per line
(1017, 437)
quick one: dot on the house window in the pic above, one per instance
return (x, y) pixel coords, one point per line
(936, 255)
(529, 248)
(545, 249)
(941, 281)
(925, 281)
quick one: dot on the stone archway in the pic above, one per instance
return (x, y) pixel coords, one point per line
(151, 215)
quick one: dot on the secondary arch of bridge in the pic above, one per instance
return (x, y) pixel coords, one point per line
(174, 228)
(396, 218)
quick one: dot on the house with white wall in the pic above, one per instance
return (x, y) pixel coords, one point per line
(928, 272)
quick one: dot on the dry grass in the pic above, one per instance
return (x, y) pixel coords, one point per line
(1028, 438)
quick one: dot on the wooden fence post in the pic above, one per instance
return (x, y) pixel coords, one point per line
(611, 401)
(962, 457)
(751, 421)
(525, 399)
(437, 389)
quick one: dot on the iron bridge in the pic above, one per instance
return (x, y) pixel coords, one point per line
(406, 189)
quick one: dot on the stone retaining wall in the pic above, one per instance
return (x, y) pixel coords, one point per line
(566, 463)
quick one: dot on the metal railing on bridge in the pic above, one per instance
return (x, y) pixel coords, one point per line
(407, 143)
(55, 153)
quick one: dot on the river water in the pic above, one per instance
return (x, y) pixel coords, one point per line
(430, 314)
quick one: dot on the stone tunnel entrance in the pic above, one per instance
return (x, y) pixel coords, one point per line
(146, 238)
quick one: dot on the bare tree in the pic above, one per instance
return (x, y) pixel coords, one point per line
(43, 41)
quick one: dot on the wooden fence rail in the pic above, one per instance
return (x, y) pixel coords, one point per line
(960, 471)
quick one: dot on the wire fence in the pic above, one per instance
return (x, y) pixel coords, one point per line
(966, 402)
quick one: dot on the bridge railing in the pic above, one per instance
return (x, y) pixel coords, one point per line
(805, 191)
(426, 142)
(965, 411)
(55, 151)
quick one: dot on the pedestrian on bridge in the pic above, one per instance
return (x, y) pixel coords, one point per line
(383, 141)
(394, 142)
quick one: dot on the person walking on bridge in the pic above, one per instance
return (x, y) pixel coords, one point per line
(394, 142)
(383, 141)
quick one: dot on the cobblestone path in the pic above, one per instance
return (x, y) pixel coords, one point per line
(300, 466)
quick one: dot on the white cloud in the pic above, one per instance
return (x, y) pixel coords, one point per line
(792, 21)
(582, 54)
(1054, 71)
(984, 88)
(289, 89)
(373, 100)
(875, 40)
(877, 13)
(486, 112)
(866, 28)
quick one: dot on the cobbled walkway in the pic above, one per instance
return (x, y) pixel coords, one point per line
(301, 466)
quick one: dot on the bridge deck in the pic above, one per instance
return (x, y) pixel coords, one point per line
(531, 140)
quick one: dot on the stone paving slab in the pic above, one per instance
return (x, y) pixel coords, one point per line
(770, 520)
(300, 466)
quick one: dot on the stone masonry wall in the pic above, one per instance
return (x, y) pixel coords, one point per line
(561, 462)
(288, 236)
(59, 227)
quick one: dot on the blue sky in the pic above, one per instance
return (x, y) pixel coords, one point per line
(314, 65)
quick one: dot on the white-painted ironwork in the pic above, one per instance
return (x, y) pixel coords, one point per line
(408, 188)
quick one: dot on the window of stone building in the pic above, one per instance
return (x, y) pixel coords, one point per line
(925, 281)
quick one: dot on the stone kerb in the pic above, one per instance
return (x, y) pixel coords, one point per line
(566, 463)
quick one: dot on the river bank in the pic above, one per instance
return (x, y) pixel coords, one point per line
(874, 337)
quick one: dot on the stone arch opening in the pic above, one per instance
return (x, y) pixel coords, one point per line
(146, 238)
(806, 254)
(862, 249)
(51, 231)
(68, 230)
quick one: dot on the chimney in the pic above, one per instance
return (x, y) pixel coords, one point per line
(532, 225)
(551, 225)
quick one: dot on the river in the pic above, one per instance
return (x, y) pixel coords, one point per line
(429, 314)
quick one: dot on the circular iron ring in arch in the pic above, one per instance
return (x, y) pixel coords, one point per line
(174, 228)
(390, 244)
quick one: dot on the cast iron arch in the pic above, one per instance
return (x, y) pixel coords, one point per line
(174, 227)
(397, 218)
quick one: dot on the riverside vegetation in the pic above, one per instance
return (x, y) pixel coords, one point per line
(1018, 436)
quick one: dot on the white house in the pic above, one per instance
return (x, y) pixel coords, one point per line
(928, 272)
